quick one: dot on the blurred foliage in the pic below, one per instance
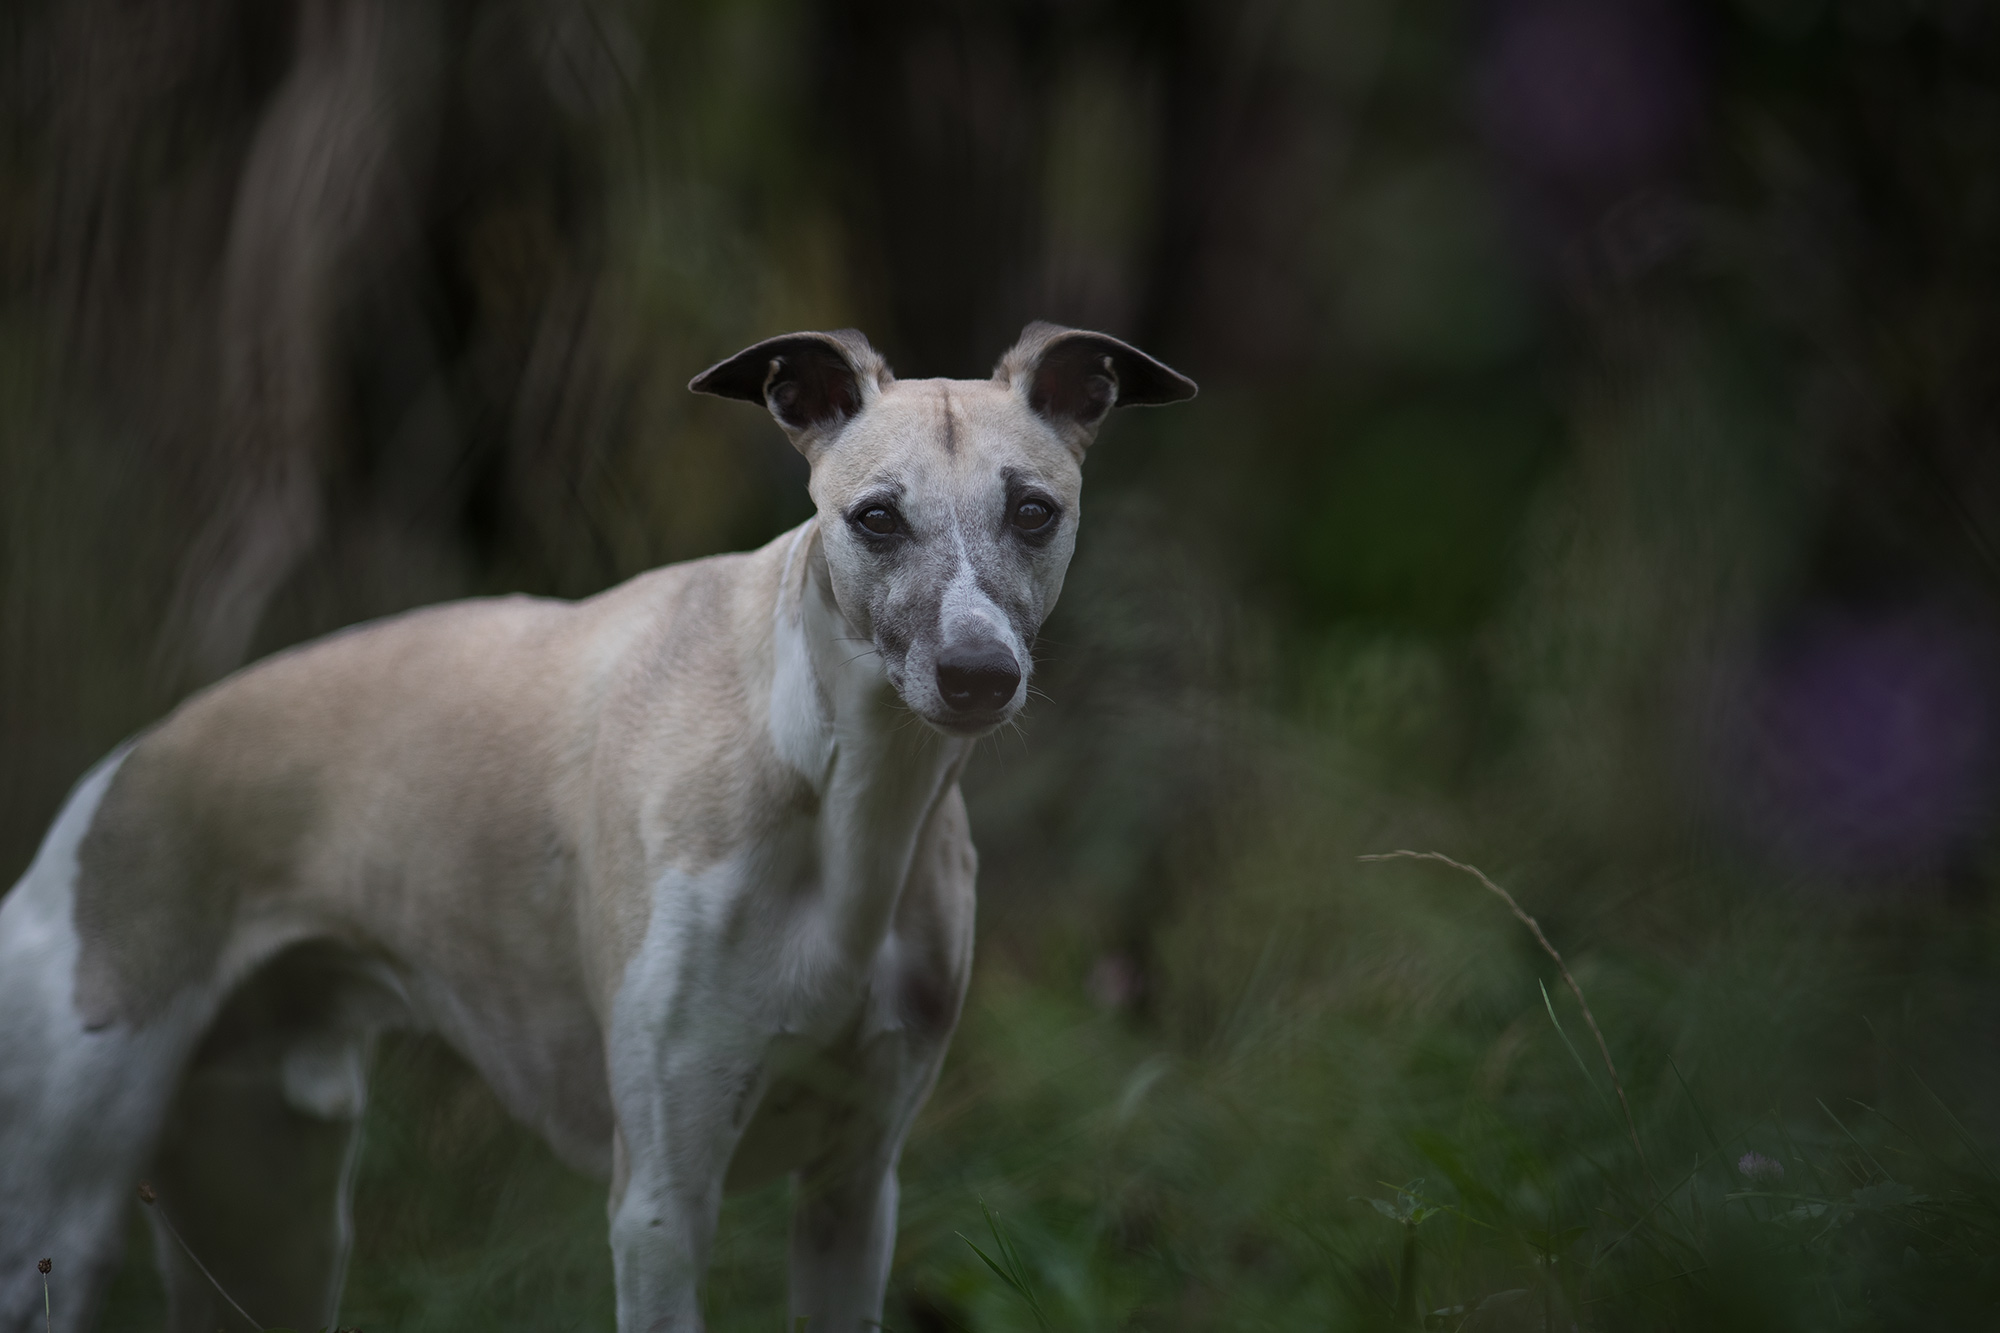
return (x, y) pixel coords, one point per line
(1590, 389)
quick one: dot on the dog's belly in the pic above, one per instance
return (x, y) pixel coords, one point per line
(544, 1062)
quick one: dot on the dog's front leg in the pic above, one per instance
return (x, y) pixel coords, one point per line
(679, 1117)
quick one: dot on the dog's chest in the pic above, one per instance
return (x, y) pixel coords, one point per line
(773, 891)
(824, 1079)
(790, 937)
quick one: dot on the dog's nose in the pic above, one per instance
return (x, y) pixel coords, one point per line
(978, 680)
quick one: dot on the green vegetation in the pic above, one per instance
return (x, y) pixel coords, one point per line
(1378, 1110)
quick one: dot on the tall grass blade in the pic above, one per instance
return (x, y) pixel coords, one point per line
(151, 1200)
(1008, 1268)
(1858, 1145)
(1535, 929)
(1964, 1135)
(1575, 1054)
(1701, 1117)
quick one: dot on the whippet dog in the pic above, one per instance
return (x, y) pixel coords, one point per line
(681, 869)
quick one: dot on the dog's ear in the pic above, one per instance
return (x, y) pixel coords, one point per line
(1072, 378)
(812, 382)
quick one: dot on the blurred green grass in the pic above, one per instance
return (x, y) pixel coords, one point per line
(1353, 1110)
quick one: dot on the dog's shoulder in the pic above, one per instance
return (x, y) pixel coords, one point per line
(686, 730)
(694, 640)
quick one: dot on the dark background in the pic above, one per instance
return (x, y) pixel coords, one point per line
(1595, 477)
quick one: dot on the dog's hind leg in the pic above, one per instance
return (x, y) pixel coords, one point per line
(256, 1163)
(844, 1204)
(79, 1109)
(256, 1166)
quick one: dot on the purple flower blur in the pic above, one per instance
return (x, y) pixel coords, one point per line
(1872, 742)
(1589, 90)
(1757, 1167)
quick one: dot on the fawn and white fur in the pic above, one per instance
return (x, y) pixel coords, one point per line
(682, 870)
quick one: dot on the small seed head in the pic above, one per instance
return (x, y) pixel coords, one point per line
(146, 1195)
(43, 1267)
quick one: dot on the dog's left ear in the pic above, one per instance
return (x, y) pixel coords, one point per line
(813, 383)
(1072, 378)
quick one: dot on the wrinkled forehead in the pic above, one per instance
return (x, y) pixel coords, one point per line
(931, 435)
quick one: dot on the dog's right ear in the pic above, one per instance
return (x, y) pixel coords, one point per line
(813, 383)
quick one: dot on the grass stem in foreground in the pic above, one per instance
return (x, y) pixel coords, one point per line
(151, 1200)
(1603, 1049)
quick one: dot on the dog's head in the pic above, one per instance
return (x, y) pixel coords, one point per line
(948, 508)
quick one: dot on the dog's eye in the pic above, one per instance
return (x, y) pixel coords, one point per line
(879, 520)
(1031, 515)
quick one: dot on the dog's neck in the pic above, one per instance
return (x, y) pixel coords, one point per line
(879, 770)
